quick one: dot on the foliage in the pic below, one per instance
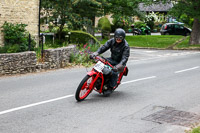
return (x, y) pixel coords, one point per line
(104, 24)
(140, 24)
(122, 22)
(196, 130)
(77, 14)
(105, 27)
(16, 38)
(187, 20)
(80, 37)
(150, 19)
(10, 49)
(73, 37)
(80, 55)
(124, 7)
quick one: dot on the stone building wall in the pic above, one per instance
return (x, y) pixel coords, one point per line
(20, 11)
(26, 62)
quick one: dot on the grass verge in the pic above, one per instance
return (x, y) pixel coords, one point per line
(158, 41)
(185, 45)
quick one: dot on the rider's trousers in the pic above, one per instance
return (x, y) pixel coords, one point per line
(114, 77)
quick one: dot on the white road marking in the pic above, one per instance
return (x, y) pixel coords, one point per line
(143, 59)
(34, 104)
(189, 69)
(138, 80)
(60, 98)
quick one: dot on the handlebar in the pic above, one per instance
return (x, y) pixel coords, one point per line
(104, 60)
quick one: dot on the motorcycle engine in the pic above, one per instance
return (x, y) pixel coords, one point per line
(98, 83)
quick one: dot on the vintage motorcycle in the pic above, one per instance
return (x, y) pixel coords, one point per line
(98, 78)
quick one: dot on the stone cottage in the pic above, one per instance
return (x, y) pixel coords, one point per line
(20, 11)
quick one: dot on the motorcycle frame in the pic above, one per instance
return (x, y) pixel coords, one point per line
(95, 75)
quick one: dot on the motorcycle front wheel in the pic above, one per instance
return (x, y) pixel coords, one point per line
(83, 89)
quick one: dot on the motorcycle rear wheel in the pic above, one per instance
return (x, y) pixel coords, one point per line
(83, 89)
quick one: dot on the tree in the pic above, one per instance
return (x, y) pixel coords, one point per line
(123, 7)
(59, 12)
(189, 8)
(82, 13)
(88, 10)
(78, 13)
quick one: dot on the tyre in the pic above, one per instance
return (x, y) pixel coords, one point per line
(83, 89)
(166, 33)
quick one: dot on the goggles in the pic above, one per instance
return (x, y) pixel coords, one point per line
(119, 38)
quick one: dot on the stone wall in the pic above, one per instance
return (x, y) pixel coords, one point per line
(20, 11)
(57, 58)
(26, 62)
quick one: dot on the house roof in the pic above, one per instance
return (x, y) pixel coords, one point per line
(155, 7)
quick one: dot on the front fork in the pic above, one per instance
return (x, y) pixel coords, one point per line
(95, 75)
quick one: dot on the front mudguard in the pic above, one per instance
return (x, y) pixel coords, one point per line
(91, 73)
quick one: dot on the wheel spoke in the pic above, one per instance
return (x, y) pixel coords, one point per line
(85, 88)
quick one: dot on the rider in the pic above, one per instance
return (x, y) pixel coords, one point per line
(120, 52)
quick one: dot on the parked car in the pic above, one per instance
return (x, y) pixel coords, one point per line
(175, 29)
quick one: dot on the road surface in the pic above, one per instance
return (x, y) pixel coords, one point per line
(158, 82)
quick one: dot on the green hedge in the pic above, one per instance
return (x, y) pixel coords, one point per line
(80, 37)
(104, 24)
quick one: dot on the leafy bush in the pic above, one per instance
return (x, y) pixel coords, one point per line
(105, 27)
(150, 21)
(121, 22)
(104, 24)
(80, 55)
(80, 37)
(15, 38)
(140, 24)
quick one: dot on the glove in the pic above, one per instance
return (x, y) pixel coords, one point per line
(93, 55)
(115, 69)
(118, 68)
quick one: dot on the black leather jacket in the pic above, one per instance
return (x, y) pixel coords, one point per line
(119, 52)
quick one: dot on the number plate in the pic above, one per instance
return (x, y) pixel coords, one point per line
(99, 66)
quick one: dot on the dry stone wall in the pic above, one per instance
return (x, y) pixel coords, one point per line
(57, 58)
(17, 63)
(20, 11)
(26, 62)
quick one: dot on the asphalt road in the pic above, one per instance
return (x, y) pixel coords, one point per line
(45, 103)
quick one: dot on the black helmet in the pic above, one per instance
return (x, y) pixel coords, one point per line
(120, 33)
